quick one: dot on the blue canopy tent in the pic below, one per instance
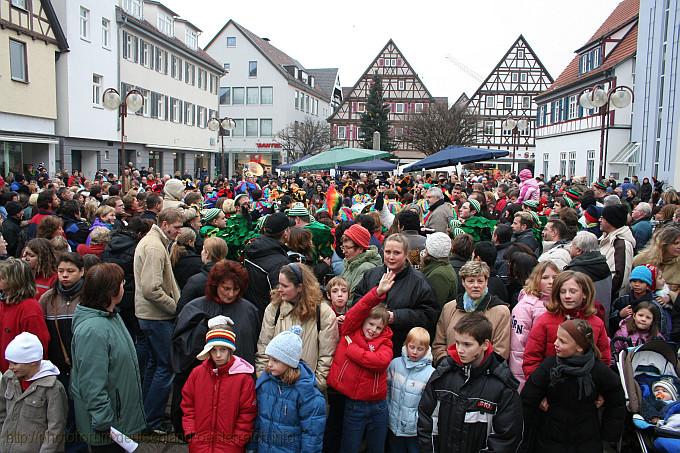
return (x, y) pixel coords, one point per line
(371, 165)
(454, 155)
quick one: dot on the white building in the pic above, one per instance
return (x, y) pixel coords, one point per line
(656, 126)
(264, 90)
(569, 137)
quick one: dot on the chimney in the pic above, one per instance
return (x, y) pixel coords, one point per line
(266, 39)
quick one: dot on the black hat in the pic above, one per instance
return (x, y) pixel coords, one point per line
(617, 215)
(275, 223)
(13, 208)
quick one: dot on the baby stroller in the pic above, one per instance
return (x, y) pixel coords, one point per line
(639, 368)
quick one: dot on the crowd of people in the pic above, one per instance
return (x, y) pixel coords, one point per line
(309, 312)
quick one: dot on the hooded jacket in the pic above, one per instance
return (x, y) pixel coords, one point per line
(527, 310)
(173, 190)
(354, 269)
(617, 247)
(24, 316)
(595, 266)
(466, 409)
(295, 418)
(528, 190)
(121, 251)
(194, 287)
(219, 406)
(105, 383)
(264, 258)
(38, 413)
(556, 252)
(406, 381)
(359, 369)
(496, 311)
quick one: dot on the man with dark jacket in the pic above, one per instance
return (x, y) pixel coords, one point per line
(641, 227)
(264, 258)
(522, 225)
(214, 250)
(11, 228)
(153, 207)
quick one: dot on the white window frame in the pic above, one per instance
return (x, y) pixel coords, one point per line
(106, 33)
(233, 96)
(361, 107)
(175, 110)
(262, 97)
(146, 47)
(165, 25)
(526, 105)
(84, 24)
(250, 69)
(188, 114)
(546, 164)
(200, 120)
(130, 45)
(232, 40)
(24, 61)
(522, 77)
(161, 107)
(572, 164)
(492, 104)
(394, 62)
(257, 127)
(515, 77)
(418, 108)
(342, 133)
(489, 128)
(19, 4)
(191, 39)
(398, 107)
(520, 54)
(97, 85)
(133, 7)
(506, 104)
(227, 68)
(573, 108)
(271, 127)
(255, 90)
(401, 84)
(219, 97)
(563, 163)
(146, 110)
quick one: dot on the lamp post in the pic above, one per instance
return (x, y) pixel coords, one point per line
(132, 102)
(221, 125)
(516, 126)
(596, 97)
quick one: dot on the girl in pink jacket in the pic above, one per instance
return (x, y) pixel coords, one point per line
(528, 187)
(530, 305)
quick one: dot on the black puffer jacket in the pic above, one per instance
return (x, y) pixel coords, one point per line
(264, 258)
(194, 287)
(572, 424)
(121, 251)
(469, 399)
(411, 299)
(593, 264)
(187, 266)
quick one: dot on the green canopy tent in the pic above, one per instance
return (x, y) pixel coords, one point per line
(337, 157)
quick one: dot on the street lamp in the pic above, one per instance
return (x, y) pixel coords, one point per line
(517, 126)
(596, 97)
(133, 101)
(222, 125)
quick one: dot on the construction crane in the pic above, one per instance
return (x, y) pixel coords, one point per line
(463, 67)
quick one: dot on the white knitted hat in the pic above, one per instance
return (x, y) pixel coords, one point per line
(438, 245)
(24, 348)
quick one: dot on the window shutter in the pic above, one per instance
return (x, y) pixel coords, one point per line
(125, 48)
(136, 49)
(154, 105)
(580, 111)
(165, 62)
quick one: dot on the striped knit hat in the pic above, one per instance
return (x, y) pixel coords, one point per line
(532, 204)
(298, 210)
(600, 185)
(569, 202)
(572, 195)
(457, 232)
(537, 220)
(220, 334)
(474, 204)
(210, 214)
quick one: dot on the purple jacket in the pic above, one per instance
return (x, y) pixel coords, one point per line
(636, 338)
(527, 310)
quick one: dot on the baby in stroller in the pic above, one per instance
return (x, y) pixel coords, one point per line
(663, 393)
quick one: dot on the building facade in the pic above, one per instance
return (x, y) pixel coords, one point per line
(656, 127)
(264, 90)
(509, 92)
(403, 91)
(572, 140)
(31, 40)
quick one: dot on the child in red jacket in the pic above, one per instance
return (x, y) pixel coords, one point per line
(359, 369)
(218, 399)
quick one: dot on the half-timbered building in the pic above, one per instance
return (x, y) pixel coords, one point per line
(30, 37)
(509, 92)
(403, 91)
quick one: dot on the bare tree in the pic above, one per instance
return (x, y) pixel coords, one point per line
(304, 138)
(438, 127)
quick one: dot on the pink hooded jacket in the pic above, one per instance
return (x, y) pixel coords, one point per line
(527, 310)
(528, 188)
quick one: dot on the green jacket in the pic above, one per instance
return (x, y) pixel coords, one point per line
(322, 238)
(105, 383)
(442, 279)
(357, 266)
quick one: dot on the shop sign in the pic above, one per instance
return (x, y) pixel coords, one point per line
(268, 145)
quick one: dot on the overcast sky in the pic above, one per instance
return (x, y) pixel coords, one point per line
(446, 42)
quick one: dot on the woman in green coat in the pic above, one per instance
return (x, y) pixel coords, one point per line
(105, 384)
(437, 269)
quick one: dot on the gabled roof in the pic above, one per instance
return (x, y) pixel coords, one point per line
(444, 100)
(626, 12)
(162, 6)
(324, 80)
(179, 19)
(346, 91)
(623, 51)
(276, 57)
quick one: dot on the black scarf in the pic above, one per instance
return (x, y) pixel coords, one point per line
(578, 366)
(436, 205)
(69, 293)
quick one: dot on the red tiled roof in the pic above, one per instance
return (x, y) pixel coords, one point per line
(623, 51)
(626, 11)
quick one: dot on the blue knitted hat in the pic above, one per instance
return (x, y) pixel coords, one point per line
(641, 273)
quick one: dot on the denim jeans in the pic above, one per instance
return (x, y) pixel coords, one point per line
(399, 444)
(158, 374)
(368, 416)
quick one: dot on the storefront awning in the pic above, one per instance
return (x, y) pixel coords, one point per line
(628, 155)
(28, 139)
(181, 148)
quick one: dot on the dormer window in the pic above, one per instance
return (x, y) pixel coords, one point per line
(191, 39)
(165, 24)
(303, 76)
(589, 60)
(133, 7)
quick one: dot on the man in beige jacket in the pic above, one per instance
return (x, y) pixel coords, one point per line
(156, 296)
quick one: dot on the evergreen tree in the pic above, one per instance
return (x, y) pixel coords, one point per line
(376, 117)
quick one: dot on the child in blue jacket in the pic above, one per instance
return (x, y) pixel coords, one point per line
(291, 409)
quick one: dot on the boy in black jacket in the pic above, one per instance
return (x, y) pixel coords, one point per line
(471, 402)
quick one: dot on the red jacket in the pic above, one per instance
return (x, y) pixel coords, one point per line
(359, 369)
(42, 284)
(94, 249)
(25, 316)
(219, 407)
(541, 342)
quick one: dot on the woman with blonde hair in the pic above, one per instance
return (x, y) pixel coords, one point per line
(663, 251)
(297, 300)
(185, 261)
(99, 237)
(530, 305)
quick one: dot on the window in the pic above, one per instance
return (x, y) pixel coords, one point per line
(523, 77)
(106, 33)
(96, 90)
(175, 112)
(546, 164)
(238, 128)
(252, 95)
(133, 7)
(508, 102)
(266, 95)
(189, 73)
(145, 60)
(573, 109)
(402, 85)
(84, 23)
(526, 132)
(419, 107)
(489, 128)
(189, 113)
(19, 3)
(201, 120)
(526, 102)
(129, 47)
(361, 107)
(252, 69)
(161, 60)
(589, 60)
(213, 84)
(227, 68)
(342, 132)
(225, 95)
(556, 112)
(520, 56)
(161, 107)
(399, 107)
(572, 164)
(202, 79)
(17, 61)
(238, 95)
(266, 128)
(191, 39)
(231, 41)
(515, 77)
(176, 68)
(490, 102)
(563, 164)
(251, 128)
(165, 24)
(590, 167)
(297, 100)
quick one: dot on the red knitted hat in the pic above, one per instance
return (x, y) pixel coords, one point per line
(359, 235)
